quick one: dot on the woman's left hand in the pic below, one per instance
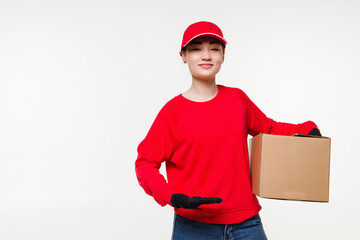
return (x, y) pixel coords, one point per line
(315, 132)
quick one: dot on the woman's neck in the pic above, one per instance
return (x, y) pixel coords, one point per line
(201, 90)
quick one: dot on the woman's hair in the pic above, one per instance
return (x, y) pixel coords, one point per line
(183, 50)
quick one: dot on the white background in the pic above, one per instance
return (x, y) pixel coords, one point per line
(82, 81)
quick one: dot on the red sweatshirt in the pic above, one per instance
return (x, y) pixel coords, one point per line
(204, 146)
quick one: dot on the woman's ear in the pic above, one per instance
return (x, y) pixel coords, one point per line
(223, 55)
(183, 56)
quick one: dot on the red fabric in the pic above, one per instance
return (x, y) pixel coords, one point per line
(204, 146)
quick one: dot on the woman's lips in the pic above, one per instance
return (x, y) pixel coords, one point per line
(206, 65)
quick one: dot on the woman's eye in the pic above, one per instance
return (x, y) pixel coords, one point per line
(195, 49)
(215, 49)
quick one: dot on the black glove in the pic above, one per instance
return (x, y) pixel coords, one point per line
(179, 200)
(315, 132)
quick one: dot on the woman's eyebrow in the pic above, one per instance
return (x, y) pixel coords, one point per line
(213, 42)
(195, 43)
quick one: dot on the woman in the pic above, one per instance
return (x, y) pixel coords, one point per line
(201, 135)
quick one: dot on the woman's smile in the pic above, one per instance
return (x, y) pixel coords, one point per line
(206, 65)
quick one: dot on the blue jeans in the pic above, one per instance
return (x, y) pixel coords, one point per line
(186, 229)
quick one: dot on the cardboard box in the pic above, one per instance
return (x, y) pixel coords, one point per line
(290, 167)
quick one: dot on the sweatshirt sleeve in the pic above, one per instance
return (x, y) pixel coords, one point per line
(154, 149)
(258, 122)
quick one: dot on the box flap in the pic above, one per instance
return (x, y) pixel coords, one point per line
(305, 135)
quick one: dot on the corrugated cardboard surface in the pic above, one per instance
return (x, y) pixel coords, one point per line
(290, 167)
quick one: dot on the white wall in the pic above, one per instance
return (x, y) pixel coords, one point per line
(82, 81)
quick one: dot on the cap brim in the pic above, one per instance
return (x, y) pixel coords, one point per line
(221, 39)
(218, 37)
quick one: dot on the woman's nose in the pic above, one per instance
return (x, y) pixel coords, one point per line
(206, 54)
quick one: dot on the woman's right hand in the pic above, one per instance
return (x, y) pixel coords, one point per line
(179, 200)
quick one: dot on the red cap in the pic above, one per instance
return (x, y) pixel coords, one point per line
(200, 29)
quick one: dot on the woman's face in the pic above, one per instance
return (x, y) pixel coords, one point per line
(204, 55)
